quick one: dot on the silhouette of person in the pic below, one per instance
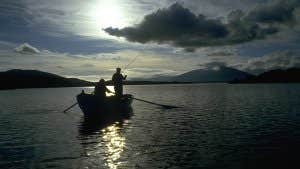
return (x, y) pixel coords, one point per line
(101, 89)
(117, 79)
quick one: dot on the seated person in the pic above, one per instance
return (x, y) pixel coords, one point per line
(101, 89)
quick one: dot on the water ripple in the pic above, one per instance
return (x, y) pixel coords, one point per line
(219, 126)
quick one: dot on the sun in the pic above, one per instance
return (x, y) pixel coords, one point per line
(108, 13)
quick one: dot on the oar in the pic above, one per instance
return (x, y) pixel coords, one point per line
(70, 107)
(146, 101)
(162, 105)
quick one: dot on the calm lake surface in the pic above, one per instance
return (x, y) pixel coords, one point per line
(219, 126)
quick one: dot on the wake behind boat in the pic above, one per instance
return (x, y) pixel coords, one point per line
(104, 108)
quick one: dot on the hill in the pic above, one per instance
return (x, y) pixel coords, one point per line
(291, 75)
(222, 74)
(17, 78)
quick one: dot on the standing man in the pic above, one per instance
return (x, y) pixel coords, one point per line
(117, 79)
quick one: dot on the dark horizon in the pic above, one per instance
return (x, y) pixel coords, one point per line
(19, 79)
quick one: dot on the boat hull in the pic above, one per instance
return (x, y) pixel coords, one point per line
(104, 108)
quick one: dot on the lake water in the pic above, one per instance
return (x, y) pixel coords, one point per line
(219, 126)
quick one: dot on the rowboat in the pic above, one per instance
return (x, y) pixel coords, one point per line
(104, 108)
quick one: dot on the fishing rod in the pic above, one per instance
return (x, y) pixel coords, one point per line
(132, 61)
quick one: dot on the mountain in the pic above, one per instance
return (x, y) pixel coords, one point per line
(17, 78)
(291, 75)
(221, 74)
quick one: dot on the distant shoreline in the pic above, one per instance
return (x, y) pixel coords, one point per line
(155, 83)
(129, 83)
(30, 79)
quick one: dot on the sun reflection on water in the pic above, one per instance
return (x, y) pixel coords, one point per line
(103, 144)
(91, 90)
(111, 88)
(113, 144)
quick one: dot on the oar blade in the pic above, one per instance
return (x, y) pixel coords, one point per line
(169, 107)
(162, 105)
(65, 111)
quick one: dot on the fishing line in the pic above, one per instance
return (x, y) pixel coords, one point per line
(133, 60)
(130, 63)
(119, 61)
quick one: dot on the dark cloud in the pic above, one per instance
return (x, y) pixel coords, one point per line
(26, 48)
(176, 25)
(242, 30)
(180, 27)
(12, 12)
(221, 53)
(278, 12)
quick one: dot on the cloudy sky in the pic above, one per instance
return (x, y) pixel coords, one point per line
(88, 39)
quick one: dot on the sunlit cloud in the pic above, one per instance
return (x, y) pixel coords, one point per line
(26, 48)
